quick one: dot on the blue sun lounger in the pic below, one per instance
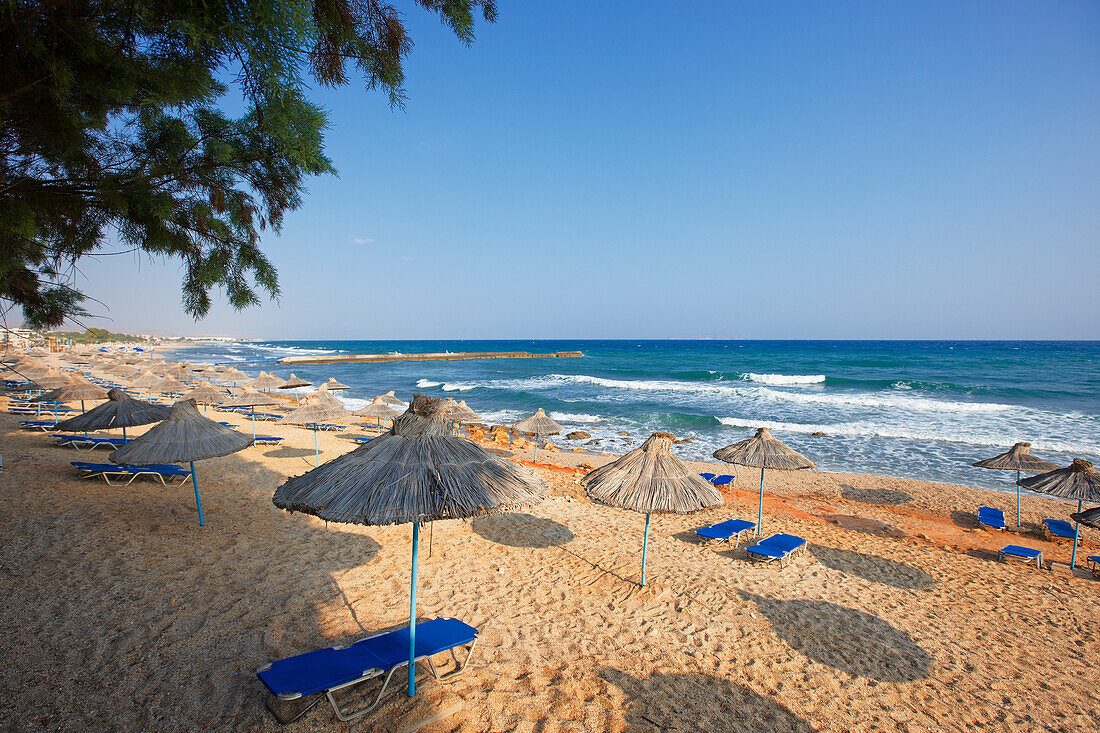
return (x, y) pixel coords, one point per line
(1059, 528)
(1092, 563)
(360, 439)
(992, 518)
(328, 670)
(107, 471)
(42, 425)
(88, 441)
(723, 480)
(707, 476)
(779, 547)
(1026, 554)
(724, 531)
(327, 426)
(267, 440)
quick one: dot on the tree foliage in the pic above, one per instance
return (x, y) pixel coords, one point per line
(111, 124)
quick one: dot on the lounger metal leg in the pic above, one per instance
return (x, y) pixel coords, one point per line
(345, 717)
(459, 668)
(285, 720)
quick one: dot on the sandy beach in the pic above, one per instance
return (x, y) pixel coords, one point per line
(120, 612)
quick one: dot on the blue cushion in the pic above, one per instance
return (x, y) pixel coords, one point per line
(1024, 552)
(724, 530)
(777, 546)
(1060, 528)
(313, 672)
(991, 517)
(707, 476)
(722, 480)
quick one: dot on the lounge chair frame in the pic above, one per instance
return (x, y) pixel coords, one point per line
(370, 674)
(1003, 554)
(124, 471)
(783, 561)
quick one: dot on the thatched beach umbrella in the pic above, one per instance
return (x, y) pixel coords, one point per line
(265, 382)
(763, 451)
(379, 410)
(233, 375)
(1017, 458)
(1079, 481)
(119, 411)
(52, 379)
(1089, 517)
(414, 473)
(333, 386)
(650, 479)
(251, 399)
(184, 437)
(206, 394)
(313, 412)
(171, 385)
(391, 399)
(294, 382)
(146, 381)
(77, 389)
(539, 424)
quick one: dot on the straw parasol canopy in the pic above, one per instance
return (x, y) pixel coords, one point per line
(391, 399)
(377, 409)
(650, 479)
(206, 394)
(324, 396)
(1079, 481)
(414, 473)
(333, 386)
(250, 398)
(233, 375)
(119, 411)
(1089, 517)
(171, 385)
(465, 414)
(763, 451)
(315, 411)
(294, 381)
(51, 379)
(146, 380)
(184, 437)
(1017, 458)
(539, 424)
(77, 389)
(265, 381)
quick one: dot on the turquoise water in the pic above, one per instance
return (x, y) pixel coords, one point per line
(915, 409)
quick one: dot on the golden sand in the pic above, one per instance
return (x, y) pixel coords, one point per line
(120, 612)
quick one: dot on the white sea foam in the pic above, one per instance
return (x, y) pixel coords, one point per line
(982, 436)
(458, 387)
(780, 380)
(427, 383)
(575, 417)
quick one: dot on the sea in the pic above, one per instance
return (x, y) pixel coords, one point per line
(917, 409)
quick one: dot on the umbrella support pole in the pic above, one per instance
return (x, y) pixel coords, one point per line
(1017, 497)
(760, 506)
(316, 450)
(645, 547)
(412, 612)
(431, 536)
(1076, 534)
(536, 458)
(198, 501)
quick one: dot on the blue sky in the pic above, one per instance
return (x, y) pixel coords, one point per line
(697, 169)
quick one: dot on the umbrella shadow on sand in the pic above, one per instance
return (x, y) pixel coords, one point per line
(885, 497)
(522, 530)
(675, 701)
(846, 639)
(288, 452)
(872, 567)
